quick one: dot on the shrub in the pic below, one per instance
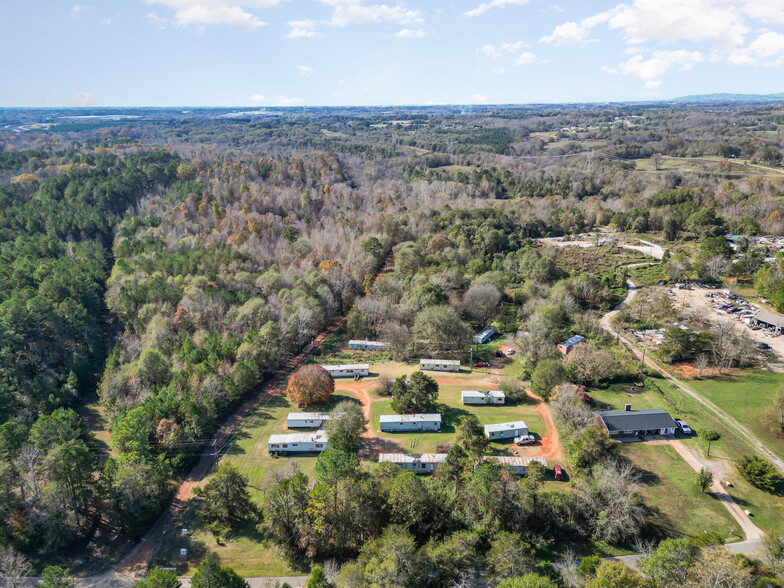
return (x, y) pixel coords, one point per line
(759, 472)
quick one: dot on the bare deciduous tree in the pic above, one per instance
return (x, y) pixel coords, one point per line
(481, 302)
(13, 566)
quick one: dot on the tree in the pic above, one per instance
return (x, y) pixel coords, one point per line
(774, 413)
(158, 578)
(710, 436)
(614, 574)
(481, 302)
(759, 472)
(509, 556)
(347, 422)
(210, 574)
(310, 385)
(528, 581)
(591, 446)
(13, 566)
(318, 579)
(418, 395)
(441, 325)
(716, 267)
(658, 160)
(669, 565)
(472, 435)
(590, 364)
(717, 567)
(701, 363)
(704, 480)
(226, 500)
(333, 465)
(548, 374)
(55, 577)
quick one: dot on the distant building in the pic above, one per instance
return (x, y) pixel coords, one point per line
(484, 336)
(369, 345)
(348, 370)
(315, 442)
(478, 397)
(439, 365)
(420, 463)
(635, 423)
(566, 346)
(398, 423)
(306, 420)
(506, 430)
(769, 319)
(517, 464)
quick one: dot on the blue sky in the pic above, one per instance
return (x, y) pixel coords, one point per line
(360, 52)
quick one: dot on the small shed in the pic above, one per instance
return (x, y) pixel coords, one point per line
(516, 464)
(397, 423)
(369, 345)
(508, 430)
(439, 365)
(306, 420)
(315, 442)
(770, 320)
(480, 397)
(566, 346)
(484, 336)
(348, 370)
(419, 463)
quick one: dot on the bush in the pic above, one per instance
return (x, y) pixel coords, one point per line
(759, 472)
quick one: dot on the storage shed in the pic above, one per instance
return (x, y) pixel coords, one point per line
(396, 423)
(348, 370)
(439, 365)
(480, 397)
(419, 463)
(370, 345)
(484, 336)
(315, 442)
(770, 320)
(306, 420)
(517, 464)
(635, 423)
(506, 430)
(566, 346)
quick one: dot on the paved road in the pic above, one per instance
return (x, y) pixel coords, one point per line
(752, 547)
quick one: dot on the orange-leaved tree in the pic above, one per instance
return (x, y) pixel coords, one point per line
(309, 385)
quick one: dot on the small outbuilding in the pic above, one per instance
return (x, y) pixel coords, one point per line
(315, 442)
(516, 464)
(566, 346)
(306, 420)
(369, 345)
(419, 463)
(484, 336)
(399, 423)
(479, 397)
(508, 430)
(348, 370)
(439, 365)
(635, 423)
(770, 320)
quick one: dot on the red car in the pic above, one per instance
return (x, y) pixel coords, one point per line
(481, 364)
(558, 472)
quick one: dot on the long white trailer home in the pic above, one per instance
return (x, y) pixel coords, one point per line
(506, 430)
(348, 370)
(439, 365)
(419, 463)
(371, 345)
(517, 464)
(315, 442)
(397, 423)
(480, 397)
(485, 335)
(306, 420)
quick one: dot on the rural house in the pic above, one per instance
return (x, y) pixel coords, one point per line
(370, 345)
(348, 370)
(566, 346)
(484, 336)
(396, 423)
(506, 430)
(306, 420)
(479, 397)
(634, 423)
(298, 442)
(419, 463)
(439, 365)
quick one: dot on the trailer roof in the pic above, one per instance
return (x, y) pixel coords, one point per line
(445, 361)
(510, 426)
(412, 457)
(347, 366)
(410, 418)
(483, 393)
(308, 416)
(315, 437)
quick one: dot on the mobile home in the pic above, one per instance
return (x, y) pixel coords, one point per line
(315, 442)
(506, 430)
(479, 397)
(516, 464)
(396, 423)
(419, 463)
(484, 336)
(306, 420)
(369, 345)
(439, 365)
(566, 346)
(348, 370)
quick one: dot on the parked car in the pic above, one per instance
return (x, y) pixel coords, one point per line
(481, 364)
(763, 346)
(524, 440)
(498, 353)
(685, 429)
(510, 351)
(558, 472)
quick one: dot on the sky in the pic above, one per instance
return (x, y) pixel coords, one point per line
(379, 52)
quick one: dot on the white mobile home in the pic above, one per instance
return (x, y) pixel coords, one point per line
(396, 423)
(348, 370)
(439, 365)
(315, 442)
(370, 345)
(306, 420)
(485, 335)
(479, 397)
(419, 463)
(516, 464)
(506, 430)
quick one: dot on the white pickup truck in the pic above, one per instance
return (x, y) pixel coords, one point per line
(524, 440)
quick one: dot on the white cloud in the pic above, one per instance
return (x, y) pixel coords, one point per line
(411, 33)
(651, 70)
(491, 52)
(569, 33)
(302, 29)
(204, 13)
(764, 10)
(346, 12)
(305, 70)
(78, 10)
(485, 6)
(257, 99)
(526, 58)
(106, 21)
(279, 100)
(81, 99)
(767, 49)
(494, 52)
(158, 21)
(479, 98)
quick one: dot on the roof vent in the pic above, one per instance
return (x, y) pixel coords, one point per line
(628, 407)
